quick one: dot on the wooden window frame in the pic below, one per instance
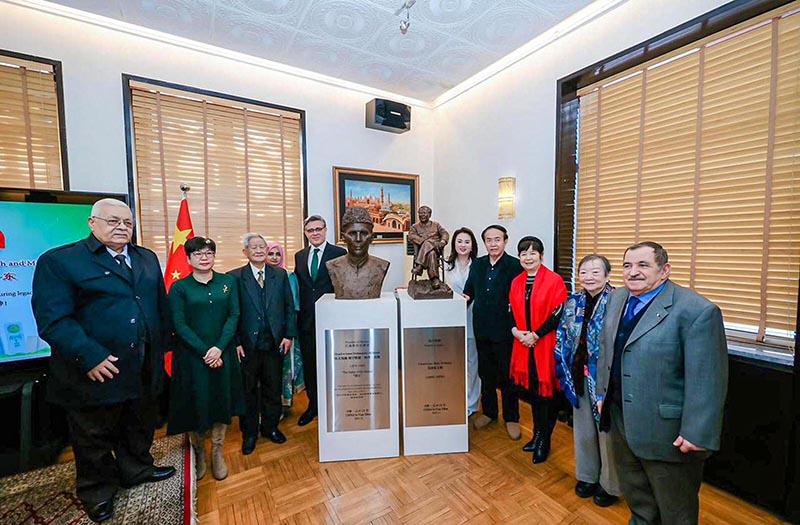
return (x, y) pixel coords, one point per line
(127, 101)
(696, 29)
(62, 127)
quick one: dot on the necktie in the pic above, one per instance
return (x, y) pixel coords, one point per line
(630, 313)
(261, 278)
(315, 264)
(124, 264)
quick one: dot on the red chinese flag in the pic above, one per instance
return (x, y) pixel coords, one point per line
(177, 263)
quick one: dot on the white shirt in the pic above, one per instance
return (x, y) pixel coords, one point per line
(124, 252)
(256, 270)
(311, 249)
(457, 279)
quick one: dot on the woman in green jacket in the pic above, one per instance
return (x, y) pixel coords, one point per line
(206, 390)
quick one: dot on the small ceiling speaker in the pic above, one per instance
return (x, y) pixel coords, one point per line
(386, 115)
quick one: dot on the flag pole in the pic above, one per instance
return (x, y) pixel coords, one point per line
(177, 263)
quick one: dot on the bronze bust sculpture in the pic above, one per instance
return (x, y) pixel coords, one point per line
(357, 275)
(429, 239)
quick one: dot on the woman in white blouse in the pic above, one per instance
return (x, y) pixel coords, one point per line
(463, 250)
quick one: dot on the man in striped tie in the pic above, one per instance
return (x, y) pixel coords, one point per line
(267, 325)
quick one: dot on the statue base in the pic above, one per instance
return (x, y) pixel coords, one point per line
(420, 290)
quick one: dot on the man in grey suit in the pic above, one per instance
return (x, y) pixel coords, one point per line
(662, 378)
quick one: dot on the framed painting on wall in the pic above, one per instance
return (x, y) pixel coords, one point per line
(391, 199)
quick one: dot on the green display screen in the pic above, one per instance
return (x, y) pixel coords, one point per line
(27, 230)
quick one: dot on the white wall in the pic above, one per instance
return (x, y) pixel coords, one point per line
(506, 126)
(503, 127)
(94, 58)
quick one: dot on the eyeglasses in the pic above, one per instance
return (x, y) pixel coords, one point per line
(203, 254)
(114, 221)
(314, 230)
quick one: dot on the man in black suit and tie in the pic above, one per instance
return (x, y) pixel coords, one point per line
(267, 325)
(314, 281)
(101, 305)
(662, 377)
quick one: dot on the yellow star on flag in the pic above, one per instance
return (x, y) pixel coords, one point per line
(176, 275)
(179, 238)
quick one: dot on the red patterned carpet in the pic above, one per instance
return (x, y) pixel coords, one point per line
(47, 496)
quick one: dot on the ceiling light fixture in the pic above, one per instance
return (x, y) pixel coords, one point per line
(406, 22)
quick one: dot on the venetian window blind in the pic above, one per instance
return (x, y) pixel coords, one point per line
(242, 161)
(698, 150)
(30, 141)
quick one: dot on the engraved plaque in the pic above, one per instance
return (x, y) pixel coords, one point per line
(435, 376)
(357, 371)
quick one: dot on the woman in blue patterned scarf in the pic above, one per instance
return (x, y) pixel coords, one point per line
(577, 349)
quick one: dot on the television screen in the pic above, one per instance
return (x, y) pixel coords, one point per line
(27, 230)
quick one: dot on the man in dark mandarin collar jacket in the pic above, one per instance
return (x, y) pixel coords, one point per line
(101, 305)
(488, 286)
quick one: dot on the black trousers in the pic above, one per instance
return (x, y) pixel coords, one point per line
(657, 492)
(494, 361)
(112, 447)
(262, 374)
(308, 349)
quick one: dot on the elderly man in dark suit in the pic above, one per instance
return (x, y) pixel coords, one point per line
(662, 378)
(101, 304)
(314, 282)
(267, 325)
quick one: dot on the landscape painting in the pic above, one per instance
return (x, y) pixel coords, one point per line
(390, 198)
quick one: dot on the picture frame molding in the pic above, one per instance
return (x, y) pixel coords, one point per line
(340, 176)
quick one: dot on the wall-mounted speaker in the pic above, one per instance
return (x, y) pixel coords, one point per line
(386, 115)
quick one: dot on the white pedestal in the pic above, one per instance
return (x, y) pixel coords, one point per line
(357, 378)
(434, 363)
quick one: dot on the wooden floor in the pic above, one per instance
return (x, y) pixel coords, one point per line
(494, 483)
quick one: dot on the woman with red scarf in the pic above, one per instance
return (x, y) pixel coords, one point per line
(537, 297)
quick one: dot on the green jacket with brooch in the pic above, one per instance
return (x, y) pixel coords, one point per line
(204, 315)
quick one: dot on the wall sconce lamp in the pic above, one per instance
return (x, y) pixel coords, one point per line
(506, 195)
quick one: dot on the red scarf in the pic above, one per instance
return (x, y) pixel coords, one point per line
(548, 293)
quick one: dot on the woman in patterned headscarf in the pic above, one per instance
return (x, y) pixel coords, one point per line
(293, 381)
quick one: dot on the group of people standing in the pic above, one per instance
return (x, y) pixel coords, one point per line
(644, 366)
(259, 319)
(243, 341)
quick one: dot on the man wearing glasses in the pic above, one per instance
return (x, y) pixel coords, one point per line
(101, 305)
(314, 281)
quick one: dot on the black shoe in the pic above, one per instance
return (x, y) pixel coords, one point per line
(276, 436)
(102, 511)
(603, 498)
(159, 474)
(249, 445)
(585, 489)
(530, 446)
(542, 451)
(307, 417)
